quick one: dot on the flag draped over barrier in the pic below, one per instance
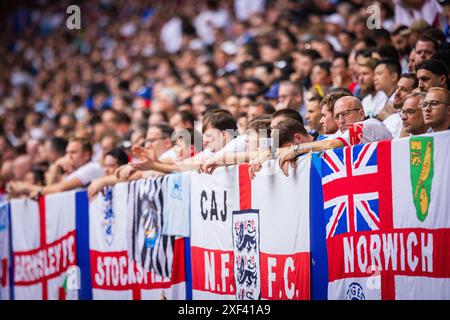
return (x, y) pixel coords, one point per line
(386, 221)
(44, 247)
(250, 239)
(115, 274)
(5, 252)
(364, 222)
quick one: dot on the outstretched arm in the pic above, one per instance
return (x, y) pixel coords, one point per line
(289, 154)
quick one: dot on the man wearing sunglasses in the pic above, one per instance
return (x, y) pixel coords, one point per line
(435, 109)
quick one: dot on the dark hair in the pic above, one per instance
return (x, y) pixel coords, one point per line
(411, 76)
(340, 90)
(120, 155)
(286, 129)
(219, 119)
(324, 65)
(398, 31)
(443, 55)
(166, 130)
(387, 51)
(310, 53)
(434, 66)
(435, 34)
(268, 66)
(289, 114)
(256, 81)
(259, 123)
(427, 38)
(268, 107)
(381, 34)
(369, 42)
(122, 117)
(341, 55)
(162, 114)
(58, 145)
(350, 34)
(392, 65)
(366, 53)
(274, 43)
(187, 116)
(38, 176)
(86, 145)
(331, 98)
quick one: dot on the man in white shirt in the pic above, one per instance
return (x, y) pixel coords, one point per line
(386, 75)
(83, 171)
(373, 100)
(405, 85)
(349, 114)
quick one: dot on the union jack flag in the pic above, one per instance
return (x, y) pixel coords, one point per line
(350, 190)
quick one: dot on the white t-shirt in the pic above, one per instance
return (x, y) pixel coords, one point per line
(333, 135)
(374, 104)
(366, 131)
(395, 124)
(86, 173)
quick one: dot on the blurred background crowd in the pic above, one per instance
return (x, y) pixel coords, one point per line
(137, 70)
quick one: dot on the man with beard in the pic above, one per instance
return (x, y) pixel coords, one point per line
(405, 85)
(431, 73)
(373, 100)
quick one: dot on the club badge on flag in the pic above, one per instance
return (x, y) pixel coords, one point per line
(422, 171)
(246, 254)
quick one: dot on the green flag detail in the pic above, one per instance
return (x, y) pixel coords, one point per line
(422, 169)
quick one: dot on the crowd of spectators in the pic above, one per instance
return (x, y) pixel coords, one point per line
(151, 87)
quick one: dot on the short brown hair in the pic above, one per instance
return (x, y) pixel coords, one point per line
(330, 99)
(86, 145)
(286, 129)
(259, 123)
(219, 119)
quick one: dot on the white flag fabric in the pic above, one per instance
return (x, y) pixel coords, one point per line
(44, 247)
(250, 239)
(115, 276)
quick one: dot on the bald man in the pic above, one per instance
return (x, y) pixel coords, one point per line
(351, 120)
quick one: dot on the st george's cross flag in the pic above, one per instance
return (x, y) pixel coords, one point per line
(47, 238)
(114, 273)
(250, 238)
(385, 219)
(5, 252)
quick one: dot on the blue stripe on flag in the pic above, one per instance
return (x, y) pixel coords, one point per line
(82, 232)
(187, 267)
(11, 262)
(319, 258)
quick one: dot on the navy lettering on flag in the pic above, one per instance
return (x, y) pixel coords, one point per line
(246, 248)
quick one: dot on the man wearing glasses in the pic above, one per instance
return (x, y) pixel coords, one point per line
(411, 115)
(351, 120)
(435, 109)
